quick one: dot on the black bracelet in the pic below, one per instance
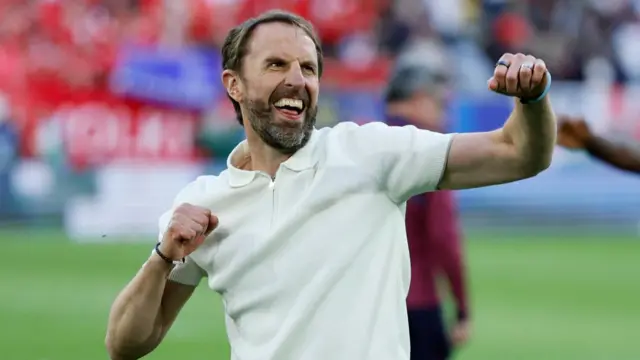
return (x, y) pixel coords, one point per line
(163, 256)
(462, 315)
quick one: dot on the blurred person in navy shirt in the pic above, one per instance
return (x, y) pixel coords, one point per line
(416, 96)
(574, 133)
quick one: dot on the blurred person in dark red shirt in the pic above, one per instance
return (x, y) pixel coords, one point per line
(416, 96)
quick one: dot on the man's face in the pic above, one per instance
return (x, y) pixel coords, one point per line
(278, 86)
(429, 109)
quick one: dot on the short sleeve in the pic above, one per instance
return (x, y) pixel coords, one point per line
(188, 272)
(406, 160)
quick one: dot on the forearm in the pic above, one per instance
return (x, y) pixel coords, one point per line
(617, 155)
(455, 271)
(135, 324)
(458, 284)
(531, 132)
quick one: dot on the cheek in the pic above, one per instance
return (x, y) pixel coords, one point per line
(259, 87)
(314, 89)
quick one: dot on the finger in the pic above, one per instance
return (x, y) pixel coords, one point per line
(526, 72)
(500, 73)
(206, 212)
(512, 75)
(213, 223)
(195, 243)
(493, 85)
(201, 217)
(539, 74)
(187, 233)
(198, 228)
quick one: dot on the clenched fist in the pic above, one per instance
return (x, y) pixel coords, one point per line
(519, 75)
(188, 228)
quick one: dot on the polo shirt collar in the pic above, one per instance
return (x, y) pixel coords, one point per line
(303, 159)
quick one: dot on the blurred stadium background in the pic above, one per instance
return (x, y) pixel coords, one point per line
(108, 107)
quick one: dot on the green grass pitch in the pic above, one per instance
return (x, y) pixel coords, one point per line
(533, 299)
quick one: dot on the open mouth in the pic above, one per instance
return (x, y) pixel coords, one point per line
(291, 108)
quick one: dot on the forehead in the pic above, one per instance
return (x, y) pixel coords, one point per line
(281, 40)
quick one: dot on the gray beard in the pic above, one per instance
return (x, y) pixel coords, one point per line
(286, 140)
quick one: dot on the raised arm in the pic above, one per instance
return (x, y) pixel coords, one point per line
(523, 147)
(408, 161)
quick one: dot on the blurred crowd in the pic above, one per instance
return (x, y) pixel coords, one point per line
(55, 46)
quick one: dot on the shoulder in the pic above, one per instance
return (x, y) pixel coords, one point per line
(351, 128)
(371, 138)
(196, 191)
(349, 134)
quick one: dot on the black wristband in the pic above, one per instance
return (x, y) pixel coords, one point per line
(163, 256)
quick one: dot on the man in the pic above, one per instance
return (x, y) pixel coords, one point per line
(574, 133)
(303, 234)
(416, 95)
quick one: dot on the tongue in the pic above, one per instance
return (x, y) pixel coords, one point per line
(288, 112)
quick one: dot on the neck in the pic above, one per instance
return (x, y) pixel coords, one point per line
(263, 157)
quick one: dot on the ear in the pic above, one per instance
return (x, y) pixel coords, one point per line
(231, 82)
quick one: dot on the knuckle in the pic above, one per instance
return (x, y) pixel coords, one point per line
(175, 231)
(183, 206)
(176, 219)
(201, 218)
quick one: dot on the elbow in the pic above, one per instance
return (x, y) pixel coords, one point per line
(532, 167)
(115, 348)
(129, 347)
(530, 164)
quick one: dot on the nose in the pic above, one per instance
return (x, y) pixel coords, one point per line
(294, 77)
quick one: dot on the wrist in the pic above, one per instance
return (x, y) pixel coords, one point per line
(462, 315)
(162, 253)
(157, 263)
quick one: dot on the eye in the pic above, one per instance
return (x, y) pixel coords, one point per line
(309, 69)
(276, 64)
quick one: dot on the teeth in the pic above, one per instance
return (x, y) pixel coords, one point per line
(296, 103)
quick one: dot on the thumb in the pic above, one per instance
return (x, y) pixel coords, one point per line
(213, 224)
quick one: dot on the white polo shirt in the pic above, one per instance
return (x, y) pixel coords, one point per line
(315, 265)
